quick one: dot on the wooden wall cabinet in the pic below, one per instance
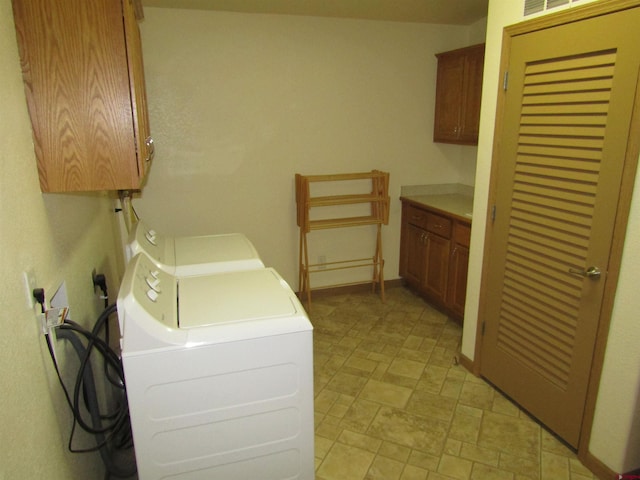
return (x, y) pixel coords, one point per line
(434, 256)
(458, 95)
(84, 81)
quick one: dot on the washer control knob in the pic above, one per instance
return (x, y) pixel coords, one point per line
(154, 283)
(152, 295)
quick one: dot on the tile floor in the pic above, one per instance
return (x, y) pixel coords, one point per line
(390, 403)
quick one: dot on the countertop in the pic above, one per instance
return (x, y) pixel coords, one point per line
(456, 204)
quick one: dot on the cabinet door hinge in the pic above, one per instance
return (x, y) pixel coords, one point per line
(505, 81)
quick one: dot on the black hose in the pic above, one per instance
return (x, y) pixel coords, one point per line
(93, 407)
(114, 435)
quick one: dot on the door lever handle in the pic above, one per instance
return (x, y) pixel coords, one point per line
(591, 272)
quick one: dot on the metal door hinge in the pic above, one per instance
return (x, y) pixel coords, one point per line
(493, 213)
(483, 327)
(505, 81)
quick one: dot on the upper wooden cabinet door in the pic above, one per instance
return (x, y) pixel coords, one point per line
(82, 69)
(458, 95)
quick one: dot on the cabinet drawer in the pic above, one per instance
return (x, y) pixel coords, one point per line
(462, 234)
(439, 225)
(417, 217)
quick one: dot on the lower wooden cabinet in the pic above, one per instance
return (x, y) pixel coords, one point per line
(434, 256)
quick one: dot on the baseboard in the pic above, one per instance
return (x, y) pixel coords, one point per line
(351, 288)
(467, 363)
(598, 468)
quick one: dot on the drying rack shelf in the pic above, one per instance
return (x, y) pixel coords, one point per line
(378, 200)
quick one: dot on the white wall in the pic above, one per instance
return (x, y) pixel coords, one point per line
(241, 102)
(615, 436)
(62, 238)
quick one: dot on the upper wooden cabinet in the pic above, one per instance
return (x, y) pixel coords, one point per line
(458, 95)
(84, 82)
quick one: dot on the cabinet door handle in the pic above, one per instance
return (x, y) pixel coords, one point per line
(151, 146)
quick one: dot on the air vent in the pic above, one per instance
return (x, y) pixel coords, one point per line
(536, 6)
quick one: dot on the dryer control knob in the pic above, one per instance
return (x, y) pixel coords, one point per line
(151, 236)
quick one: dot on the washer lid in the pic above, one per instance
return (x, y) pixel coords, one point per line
(234, 297)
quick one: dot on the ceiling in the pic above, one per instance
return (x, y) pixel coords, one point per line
(456, 12)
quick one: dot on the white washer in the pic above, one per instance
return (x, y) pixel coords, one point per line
(219, 375)
(196, 255)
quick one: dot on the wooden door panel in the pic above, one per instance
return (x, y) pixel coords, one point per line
(563, 141)
(449, 99)
(415, 266)
(437, 259)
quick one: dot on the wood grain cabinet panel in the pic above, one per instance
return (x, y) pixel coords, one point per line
(458, 95)
(84, 83)
(434, 256)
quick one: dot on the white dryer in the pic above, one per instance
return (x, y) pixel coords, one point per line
(219, 375)
(195, 255)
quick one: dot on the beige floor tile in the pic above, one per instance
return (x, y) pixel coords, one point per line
(347, 383)
(478, 454)
(455, 467)
(338, 410)
(417, 355)
(411, 472)
(554, 467)
(420, 433)
(384, 468)
(362, 364)
(504, 406)
(551, 444)
(452, 388)
(431, 405)
(486, 472)
(386, 393)
(477, 395)
(391, 401)
(452, 447)
(523, 466)
(360, 415)
(344, 462)
(515, 436)
(407, 368)
(432, 379)
(465, 428)
(322, 446)
(359, 440)
(395, 451)
(424, 460)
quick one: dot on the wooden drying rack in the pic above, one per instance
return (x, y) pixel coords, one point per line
(378, 199)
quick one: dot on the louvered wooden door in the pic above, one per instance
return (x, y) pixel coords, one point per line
(561, 154)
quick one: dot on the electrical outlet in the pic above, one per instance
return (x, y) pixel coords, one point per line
(29, 282)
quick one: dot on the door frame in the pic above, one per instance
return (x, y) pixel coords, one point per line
(575, 14)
